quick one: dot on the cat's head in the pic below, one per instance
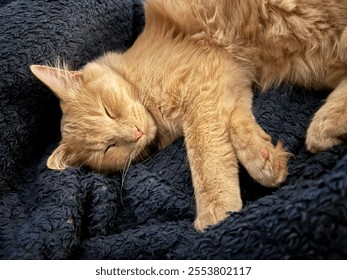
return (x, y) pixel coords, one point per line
(103, 126)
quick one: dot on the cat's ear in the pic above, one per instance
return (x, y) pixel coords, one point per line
(60, 158)
(59, 80)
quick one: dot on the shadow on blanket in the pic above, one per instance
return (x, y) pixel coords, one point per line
(78, 214)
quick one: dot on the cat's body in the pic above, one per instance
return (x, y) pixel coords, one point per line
(190, 73)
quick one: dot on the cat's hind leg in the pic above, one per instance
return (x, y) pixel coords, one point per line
(329, 125)
(265, 163)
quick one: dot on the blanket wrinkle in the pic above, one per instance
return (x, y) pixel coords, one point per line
(147, 212)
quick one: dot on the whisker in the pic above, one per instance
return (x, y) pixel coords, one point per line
(124, 172)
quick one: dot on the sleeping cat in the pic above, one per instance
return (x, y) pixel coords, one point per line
(190, 73)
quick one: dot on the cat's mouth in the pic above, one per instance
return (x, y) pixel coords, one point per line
(149, 130)
(144, 140)
(143, 137)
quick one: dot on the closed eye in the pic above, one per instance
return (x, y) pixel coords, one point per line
(109, 147)
(108, 113)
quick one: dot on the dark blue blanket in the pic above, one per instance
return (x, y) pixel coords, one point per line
(146, 213)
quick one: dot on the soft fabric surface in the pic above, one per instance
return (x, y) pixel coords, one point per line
(146, 213)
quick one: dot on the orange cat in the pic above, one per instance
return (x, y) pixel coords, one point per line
(190, 73)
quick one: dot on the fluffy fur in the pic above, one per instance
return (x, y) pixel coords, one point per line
(190, 73)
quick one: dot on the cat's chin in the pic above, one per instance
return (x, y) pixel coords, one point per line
(145, 153)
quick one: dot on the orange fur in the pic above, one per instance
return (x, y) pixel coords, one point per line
(190, 73)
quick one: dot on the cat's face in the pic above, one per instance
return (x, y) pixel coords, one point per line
(103, 125)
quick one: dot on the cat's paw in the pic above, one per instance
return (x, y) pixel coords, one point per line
(214, 214)
(270, 165)
(319, 139)
(265, 163)
(328, 127)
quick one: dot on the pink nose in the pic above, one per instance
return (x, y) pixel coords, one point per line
(137, 135)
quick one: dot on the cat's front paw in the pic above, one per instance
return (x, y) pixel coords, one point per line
(269, 166)
(214, 214)
(265, 163)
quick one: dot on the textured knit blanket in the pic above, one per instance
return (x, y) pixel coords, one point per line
(147, 212)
